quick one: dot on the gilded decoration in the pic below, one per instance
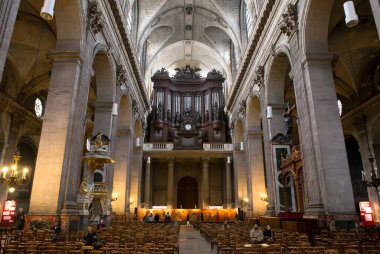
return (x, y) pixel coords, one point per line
(291, 167)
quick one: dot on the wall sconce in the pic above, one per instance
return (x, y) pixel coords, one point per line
(264, 197)
(115, 196)
(269, 112)
(228, 159)
(115, 108)
(242, 146)
(246, 199)
(138, 142)
(148, 160)
(47, 10)
(130, 201)
(352, 18)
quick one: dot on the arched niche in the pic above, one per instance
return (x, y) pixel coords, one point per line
(253, 114)
(105, 79)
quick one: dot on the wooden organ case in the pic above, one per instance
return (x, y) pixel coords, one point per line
(187, 109)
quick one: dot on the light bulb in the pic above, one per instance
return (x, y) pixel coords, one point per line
(11, 189)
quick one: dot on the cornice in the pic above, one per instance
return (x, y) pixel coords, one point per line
(250, 50)
(13, 106)
(358, 112)
(129, 49)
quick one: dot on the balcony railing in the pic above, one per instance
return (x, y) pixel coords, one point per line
(158, 146)
(218, 147)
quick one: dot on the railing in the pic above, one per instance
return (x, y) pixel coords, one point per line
(99, 189)
(218, 147)
(158, 146)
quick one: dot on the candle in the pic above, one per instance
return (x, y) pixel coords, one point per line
(24, 172)
(5, 169)
(14, 171)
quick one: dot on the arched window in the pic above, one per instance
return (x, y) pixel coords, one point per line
(248, 21)
(340, 107)
(38, 107)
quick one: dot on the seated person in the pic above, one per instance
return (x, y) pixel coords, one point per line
(225, 225)
(101, 224)
(256, 234)
(90, 236)
(268, 234)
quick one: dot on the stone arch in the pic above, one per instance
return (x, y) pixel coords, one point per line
(253, 113)
(315, 25)
(70, 24)
(105, 77)
(277, 73)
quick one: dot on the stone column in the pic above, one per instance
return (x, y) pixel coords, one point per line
(367, 167)
(271, 127)
(228, 181)
(326, 171)
(256, 170)
(121, 169)
(375, 5)
(205, 184)
(56, 176)
(8, 15)
(170, 184)
(147, 181)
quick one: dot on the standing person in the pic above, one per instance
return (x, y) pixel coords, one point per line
(217, 217)
(19, 219)
(256, 234)
(188, 220)
(194, 218)
(57, 230)
(202, 218)
(168, 218)
(101, 225)
(90, 237)
(156, 217)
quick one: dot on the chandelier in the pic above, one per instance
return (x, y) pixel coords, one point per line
(13, 180)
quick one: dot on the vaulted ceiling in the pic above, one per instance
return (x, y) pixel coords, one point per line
(206, 34)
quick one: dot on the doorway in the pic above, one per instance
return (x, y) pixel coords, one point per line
(187, 194)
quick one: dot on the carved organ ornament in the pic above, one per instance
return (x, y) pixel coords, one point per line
(187, 108)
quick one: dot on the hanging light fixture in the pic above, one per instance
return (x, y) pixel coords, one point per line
(352, 18)
(13, 180)
(47, 10)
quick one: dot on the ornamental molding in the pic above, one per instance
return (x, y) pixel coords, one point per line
(289, 22)
(121, 75)
(95, 18)
(253, 44)
(258, 78)
(242, 109)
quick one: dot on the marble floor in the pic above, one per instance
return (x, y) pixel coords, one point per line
(191, 242)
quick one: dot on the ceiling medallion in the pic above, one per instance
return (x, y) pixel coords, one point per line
(188, 27)
(188, 55)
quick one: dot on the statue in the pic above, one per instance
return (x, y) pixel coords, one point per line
(198, 118)
(83, 187)
(177, 118)
(188, 113)
(206, 116)
(216, 112)
(160, 112)
(98, 142)
(169, 115)
(288, 120)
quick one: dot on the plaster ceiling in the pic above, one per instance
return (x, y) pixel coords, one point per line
(203, 33)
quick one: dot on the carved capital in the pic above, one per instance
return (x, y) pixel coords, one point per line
(242, 108)
(94, 17)
(289, 22)
(258, 78)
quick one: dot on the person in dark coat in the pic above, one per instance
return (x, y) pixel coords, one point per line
(90, 237)
(19, 219)
(156, 217)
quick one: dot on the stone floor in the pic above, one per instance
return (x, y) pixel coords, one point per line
(191, 242)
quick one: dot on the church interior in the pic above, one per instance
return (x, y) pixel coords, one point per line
(245, 111)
